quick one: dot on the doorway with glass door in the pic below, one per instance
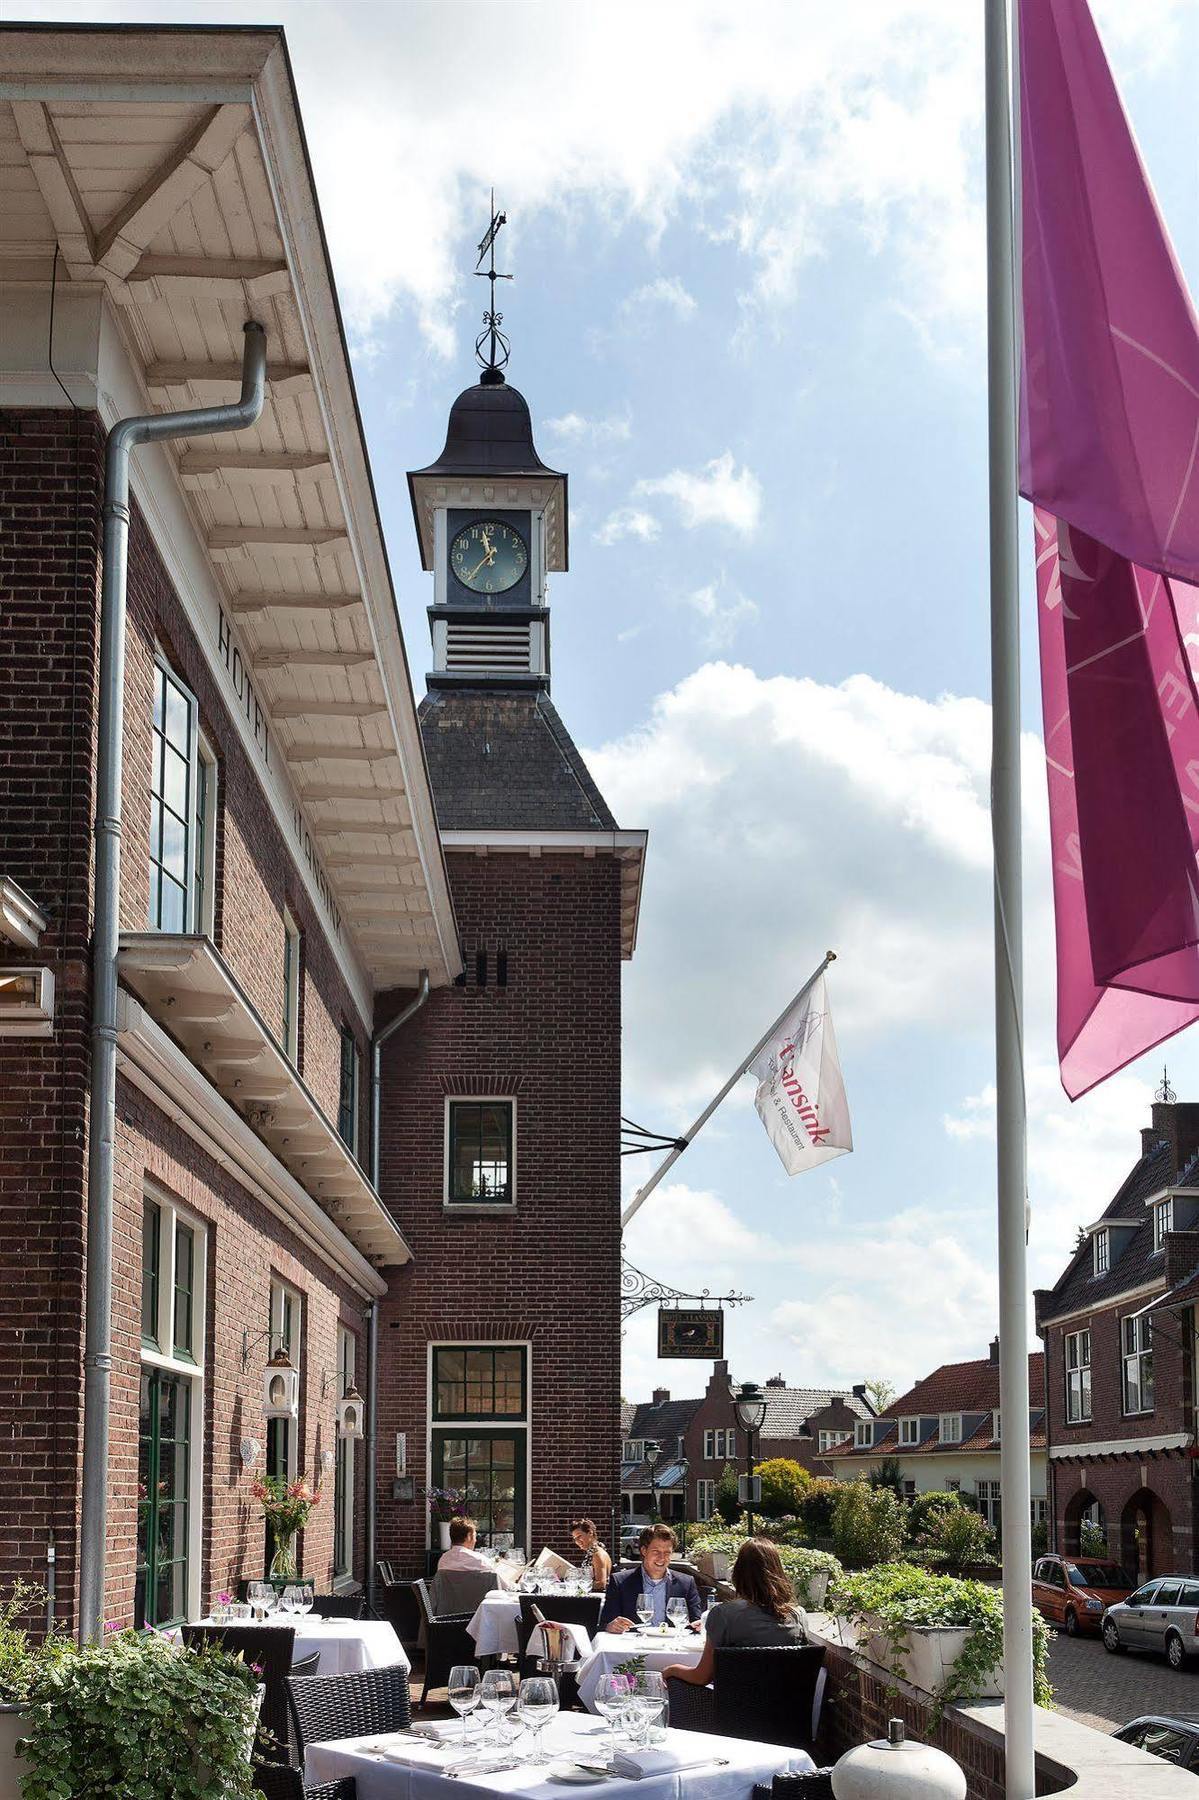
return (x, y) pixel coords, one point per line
(480, 1436)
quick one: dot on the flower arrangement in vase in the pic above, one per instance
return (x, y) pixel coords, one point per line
(446, 1504)
(287, 1507)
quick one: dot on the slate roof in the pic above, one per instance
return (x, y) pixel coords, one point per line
(966, 1387)
(664, 1423)
(1078, 1287)
(789, 1408)
(504, 761)
(490, 432)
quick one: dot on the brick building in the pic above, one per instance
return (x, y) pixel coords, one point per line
(299, 867)
(698, 1438)
(945, 1434)
(1119, 1335)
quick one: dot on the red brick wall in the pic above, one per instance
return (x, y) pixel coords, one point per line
(51, 475)
(550, 1272)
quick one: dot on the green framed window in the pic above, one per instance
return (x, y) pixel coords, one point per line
(347, 1099)
(162, 1579)
(151, 1267)
(480, 1381)
(480, 1144)
(490, 1467)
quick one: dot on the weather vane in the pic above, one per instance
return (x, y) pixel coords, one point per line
(1165, 1093)
(495, 354)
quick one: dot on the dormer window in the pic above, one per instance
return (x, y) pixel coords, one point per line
(1102, 1250)
(632, 1450)
(996, 1420)
(909, 1431)
(951, 1428)
(1163, 1221)
(863, 1435)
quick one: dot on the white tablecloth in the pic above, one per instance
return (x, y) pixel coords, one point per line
(493, 1626)
(346, 1645)
(421, 1777)
(611, 1648)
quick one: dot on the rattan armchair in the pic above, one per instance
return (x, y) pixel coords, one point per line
(275, 1781)
(339, 1606)
(447, 1641)
(768, 1694)
(339, 1706)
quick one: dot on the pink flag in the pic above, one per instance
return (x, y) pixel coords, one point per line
(1109, 436)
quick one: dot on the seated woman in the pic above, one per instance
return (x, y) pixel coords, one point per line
(764, 1614)
(596, 1561)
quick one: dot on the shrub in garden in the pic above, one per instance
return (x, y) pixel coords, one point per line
(1092, 1540)
(783, 1486)
(727, 1503)
(868, 1525)
(1040, 1538)
(820, 1497)
(887, 1474)
(926, 1508)
(959, 1537)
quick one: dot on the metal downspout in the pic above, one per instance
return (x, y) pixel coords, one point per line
(372, 1325)
(125, 435)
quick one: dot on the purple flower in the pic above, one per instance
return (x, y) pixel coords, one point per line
(112, 1625)
(257, 1669)
(224, 1599)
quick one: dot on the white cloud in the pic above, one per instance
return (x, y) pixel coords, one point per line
(666, 291)
(717, 494)
(724, 610)
(628, 521)
(573, 428)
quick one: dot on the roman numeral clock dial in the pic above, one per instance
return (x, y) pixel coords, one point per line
(489, 557)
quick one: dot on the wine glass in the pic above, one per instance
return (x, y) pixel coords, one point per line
(611, 1693)
(651, 1700)
(497, 1692)
(256, 1594)
(538, 1705)
(676, 1612)
(463, 1690)
(292, 1600)
(645, 1608)
(304, 1599)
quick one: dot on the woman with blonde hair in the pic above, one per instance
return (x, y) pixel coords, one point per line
(764, 1613)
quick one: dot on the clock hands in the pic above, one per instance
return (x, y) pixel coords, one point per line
(488, 556)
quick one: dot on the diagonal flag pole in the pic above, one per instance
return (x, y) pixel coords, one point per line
(643, 1193)
(1014, 1480)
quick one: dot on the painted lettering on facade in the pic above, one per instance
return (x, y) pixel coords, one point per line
(243, 688)
(308, 850)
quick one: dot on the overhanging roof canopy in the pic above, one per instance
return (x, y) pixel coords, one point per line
(168, 167)
(188, 988)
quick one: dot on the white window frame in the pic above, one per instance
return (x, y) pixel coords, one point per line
(347, 1358)
(163, 665)
(709, 1445)
(479, 1206)
(996, 1424)
(949, 1430)
(1101, 1252)
(909, 1432)
(705, 1497)
(292, 951)
(1038, 1510)
(632, 1450)
(280, 1291)
(1135, 1347)
(953, 1485)
(909, 1488)
(1076, 1354)
(171, 1215)
(463, 1426)
(827, 1440)
(1163, 1221)
(204, 868)
(990, 1503)
(863, 1434)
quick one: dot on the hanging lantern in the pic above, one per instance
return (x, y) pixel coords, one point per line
(351, 1413)
(280, 1388)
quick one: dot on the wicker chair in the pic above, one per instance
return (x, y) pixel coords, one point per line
(275, 1781)
(397, 1603)
(306, 1665)
(447, 1641)
(769, 1695)
(339, 1606)
(270, 1646)
(817, 1784)
(385, 1572)
(339, 1706)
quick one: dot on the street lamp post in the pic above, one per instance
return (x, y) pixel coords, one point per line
(749, 1408)
(653, 1456)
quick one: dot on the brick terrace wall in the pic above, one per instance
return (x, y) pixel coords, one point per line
(51, 477)
(551, 1271)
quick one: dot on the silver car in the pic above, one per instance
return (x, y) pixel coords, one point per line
(1162, 1615)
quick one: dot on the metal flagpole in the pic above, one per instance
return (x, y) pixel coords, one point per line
(643, 1193)
(1009, 973)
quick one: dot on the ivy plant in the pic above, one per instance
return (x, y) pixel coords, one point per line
(137, 1718)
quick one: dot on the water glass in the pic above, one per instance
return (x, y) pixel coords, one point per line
(463, 1691)
(611, 1694)
(645, 1608)
(497, 1692)
(538, 1705)
(259, 1594)
(676, 1612)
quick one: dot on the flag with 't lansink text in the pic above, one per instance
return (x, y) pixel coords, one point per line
(801, 1096)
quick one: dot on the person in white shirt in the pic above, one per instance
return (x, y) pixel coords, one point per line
(462, 1553)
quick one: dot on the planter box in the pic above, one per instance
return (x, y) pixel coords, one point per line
(13, 1725)
(928, 1660)
(814, 1590)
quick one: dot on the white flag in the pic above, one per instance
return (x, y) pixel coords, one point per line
(801, 1096)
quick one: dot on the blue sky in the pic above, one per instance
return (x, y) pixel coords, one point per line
(747, 314)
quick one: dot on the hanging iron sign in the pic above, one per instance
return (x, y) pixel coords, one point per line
(697, 1334)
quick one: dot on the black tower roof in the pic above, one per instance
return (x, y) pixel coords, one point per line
(490, 433)
(505, 761)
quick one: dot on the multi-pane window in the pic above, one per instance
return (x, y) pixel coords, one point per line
(951, 1428)
(1037, 1510)
(1137, 1344)
(343, 1478)
(284, 1326)
(347, 1095)
(719, 1443)
(291, 987)
(632, 1450)
(479, 1158)
(909, 1431)
(173, 784)
(167, 1559)
(483, 1382)
(705, 1497)
(827, 1439)
(990, 1504)
(863, 1435)
(204, 876)
(909, 1489)
(1163, 1221)
(1078, 1376)
(1102, 1247)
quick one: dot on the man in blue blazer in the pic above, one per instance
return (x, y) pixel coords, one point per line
(656, 1578)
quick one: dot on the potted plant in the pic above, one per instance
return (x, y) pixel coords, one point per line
(287, 1506)
(135, 1714)
(446, 1504)
(809, 1571)
(19, 1660)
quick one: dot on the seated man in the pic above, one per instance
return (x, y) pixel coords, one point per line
(656, 1578)
(462, 1553)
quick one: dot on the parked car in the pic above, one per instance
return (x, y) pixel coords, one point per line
(1072, 1592)
(1162, 1615)
(1172, 1736)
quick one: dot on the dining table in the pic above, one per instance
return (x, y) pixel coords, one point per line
(494, 1621)
(346, 1646)
(683, 1765)
(653, 1647)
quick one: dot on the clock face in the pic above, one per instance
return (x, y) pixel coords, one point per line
(489, 557)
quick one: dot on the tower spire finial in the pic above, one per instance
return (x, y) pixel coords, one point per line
(495, 355)
(1165, 1093)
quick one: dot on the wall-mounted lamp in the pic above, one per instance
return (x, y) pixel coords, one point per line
(26, 1002)
(251, 1450)
(280, 1388)
(351, 1413)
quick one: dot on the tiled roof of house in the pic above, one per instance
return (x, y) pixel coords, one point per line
(789, 1408)
(504, 761)
(1079, 1286)
(967, 1387)
(664, 1422)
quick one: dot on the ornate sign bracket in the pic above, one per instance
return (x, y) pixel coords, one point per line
(638, 1290)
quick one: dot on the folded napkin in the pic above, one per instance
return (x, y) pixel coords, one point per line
(576, 1633)
(656, 1762)
(400, 1749)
